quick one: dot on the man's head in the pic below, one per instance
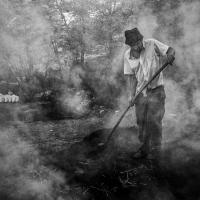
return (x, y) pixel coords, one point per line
(134, 39)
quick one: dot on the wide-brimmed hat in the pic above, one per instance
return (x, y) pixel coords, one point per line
(133, 36)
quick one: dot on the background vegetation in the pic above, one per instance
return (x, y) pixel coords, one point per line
(68, 46)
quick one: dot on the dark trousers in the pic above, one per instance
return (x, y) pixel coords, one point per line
(149, 113)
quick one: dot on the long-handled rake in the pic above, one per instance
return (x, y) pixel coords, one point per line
(120, 119)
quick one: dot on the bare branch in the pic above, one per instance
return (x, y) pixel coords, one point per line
(61, 13)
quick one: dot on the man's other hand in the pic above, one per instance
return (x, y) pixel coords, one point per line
(131, 102)
(170, 58)
(170, 55)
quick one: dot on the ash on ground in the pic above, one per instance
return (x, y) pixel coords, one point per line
(112, 172)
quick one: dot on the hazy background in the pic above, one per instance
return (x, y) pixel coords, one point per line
(75, 49)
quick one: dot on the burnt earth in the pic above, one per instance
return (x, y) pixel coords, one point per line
(104, 173)
(112, 172)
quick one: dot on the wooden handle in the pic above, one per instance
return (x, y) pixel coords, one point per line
(116, 125)
(152, 78)
(143, 87)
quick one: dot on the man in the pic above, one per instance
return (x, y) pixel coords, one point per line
(141, 61)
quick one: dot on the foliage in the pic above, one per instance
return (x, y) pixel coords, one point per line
(59, 44)
(110, 19)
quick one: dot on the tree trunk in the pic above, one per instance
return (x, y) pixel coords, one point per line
(82, 54)
(110, 45)
(83, 43)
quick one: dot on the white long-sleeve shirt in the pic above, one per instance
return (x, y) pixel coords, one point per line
(147, 64)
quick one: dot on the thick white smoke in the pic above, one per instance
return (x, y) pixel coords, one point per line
(23, 176)
(180, 119)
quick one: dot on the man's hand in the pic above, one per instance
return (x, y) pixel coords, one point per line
(131, 102)
(170, 58)
(170, 55)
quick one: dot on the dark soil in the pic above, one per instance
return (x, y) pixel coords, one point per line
(91, 172)
(113, 173)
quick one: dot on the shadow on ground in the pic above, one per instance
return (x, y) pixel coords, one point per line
(112, 172)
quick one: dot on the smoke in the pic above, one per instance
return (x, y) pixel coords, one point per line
(146, 28)
(76, 75)
(22, 174)
(187, 47)
(20, 163)
(174, 121)
(141, 21)
(178, 28)
(26, 36)
(75, 101)
(185, 118)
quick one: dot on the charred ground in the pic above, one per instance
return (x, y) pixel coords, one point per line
(89, 172)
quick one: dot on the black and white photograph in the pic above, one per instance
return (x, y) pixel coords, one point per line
(99, 99)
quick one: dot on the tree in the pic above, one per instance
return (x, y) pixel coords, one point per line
(110, 20)
(25, 39)
(71, 22)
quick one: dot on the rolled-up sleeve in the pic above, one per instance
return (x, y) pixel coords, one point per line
(160, 48)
